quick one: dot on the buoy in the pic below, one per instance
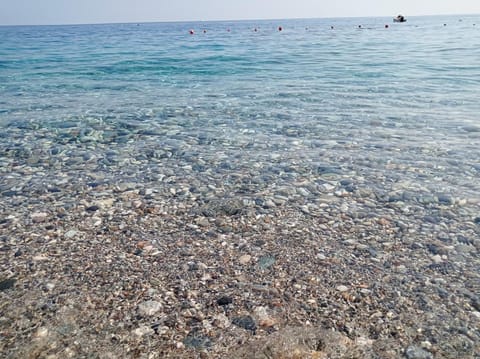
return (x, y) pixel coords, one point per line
(204, 31)
(386, 26)
(191, 32)
(280, 28)
(359, 26)
(331, 27)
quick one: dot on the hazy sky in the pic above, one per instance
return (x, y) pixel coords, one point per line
(101, 11)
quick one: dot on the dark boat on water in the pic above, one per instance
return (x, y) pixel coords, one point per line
(399, 18)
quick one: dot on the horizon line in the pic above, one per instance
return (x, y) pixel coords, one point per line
(228, 20)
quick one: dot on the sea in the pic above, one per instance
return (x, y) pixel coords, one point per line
(243, 108)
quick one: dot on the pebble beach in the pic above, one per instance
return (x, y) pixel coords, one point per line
(344, 227)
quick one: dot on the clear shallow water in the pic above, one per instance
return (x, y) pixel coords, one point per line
(396, 107)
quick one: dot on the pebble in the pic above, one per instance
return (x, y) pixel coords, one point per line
(71, 233)
(39, 217)
(342, 288)
(41, 333)
(415, 352)
(221, 321)
(245, 259)
(143, 331)
(263, 318)
(149, 308)
(265, 262)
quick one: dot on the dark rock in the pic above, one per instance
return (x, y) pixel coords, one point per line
(196, 340)
(477, 220)
(193, 267)
(434, 249)
(465, 240)
(9, 193)
(431, 219)
(445, 199)
(346, 182)
(7, 284)
(246, 322)
(93, 208)
(259, 242)
(224, 300)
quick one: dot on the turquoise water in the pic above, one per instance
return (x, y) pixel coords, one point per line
(123, 100)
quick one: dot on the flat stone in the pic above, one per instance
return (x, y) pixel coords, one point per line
(265, 262)
(149, 308)
(342, 288)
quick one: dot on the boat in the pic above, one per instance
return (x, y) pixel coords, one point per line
(399, 18)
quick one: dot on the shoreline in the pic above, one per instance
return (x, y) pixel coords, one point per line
(128, 276)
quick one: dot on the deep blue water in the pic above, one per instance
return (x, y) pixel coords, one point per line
(369, 98)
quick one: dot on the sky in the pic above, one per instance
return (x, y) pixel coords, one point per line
(41, 12)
